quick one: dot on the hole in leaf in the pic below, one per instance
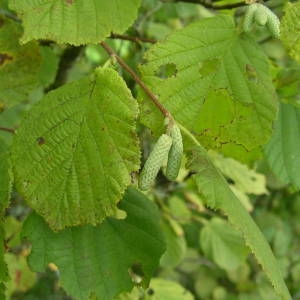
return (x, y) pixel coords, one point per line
(150, 292)
(166, 71)
(250, 72)
(230, 181)
(209, 67)
(136, 273)
(5, 58)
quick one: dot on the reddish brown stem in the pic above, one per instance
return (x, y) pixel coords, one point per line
(10, 130)
(137, 79)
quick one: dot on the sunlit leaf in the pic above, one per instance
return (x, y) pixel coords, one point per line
(75, 150)
(74, 21)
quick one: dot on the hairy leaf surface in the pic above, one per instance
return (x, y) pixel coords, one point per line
(74, 21)
(290, 29)
(97, 259)
(220, 89)
(19, 65)
(218, 195)
(75, 150)
(282, 152)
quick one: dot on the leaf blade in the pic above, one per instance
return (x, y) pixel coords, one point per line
(218, 195)
(74, 22)
(282, 150)
(69, 160)
(221, 90)
(89, 257)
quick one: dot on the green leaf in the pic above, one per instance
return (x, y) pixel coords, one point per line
(218, 195)
(19, 65)
(74, 21)
(159, 289)
(5, 177)
(223, 244)
(176, 247)
(243, 178)
(220, 90)
(282, 152)
(290, 29)
(75, 150)
(97, 259)
(168, 290)
(22, 278)
(3, 266)
(49, 66)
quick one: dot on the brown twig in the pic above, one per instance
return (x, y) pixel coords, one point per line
(137, 79)
(10, 130)
(211, 5)
(135, 39)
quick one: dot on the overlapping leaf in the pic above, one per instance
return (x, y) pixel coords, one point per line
(220, 88)
(223, 244)
(176, 247)
(218, 195)
(97, 259)
(282, 152)
(75, 150)
(19, 65)
(74, 21)
(244, 179)
(290, 29)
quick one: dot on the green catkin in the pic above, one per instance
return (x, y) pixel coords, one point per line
(249, 17)
(154, 161)
(261, 15)
(273, 24)
(175, 154)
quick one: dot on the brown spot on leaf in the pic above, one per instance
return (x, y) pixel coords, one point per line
(41, 141)
(4, 57)
(1, 22)
(69, 2)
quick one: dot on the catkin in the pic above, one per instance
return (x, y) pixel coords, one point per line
(249, 17)
(273, 24)
(154, 161)
(261, 15)
(175, 154)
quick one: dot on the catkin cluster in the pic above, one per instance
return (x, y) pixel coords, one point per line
(261, 15)
(167, 146)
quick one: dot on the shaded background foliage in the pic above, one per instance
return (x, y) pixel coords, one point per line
(205, 257)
